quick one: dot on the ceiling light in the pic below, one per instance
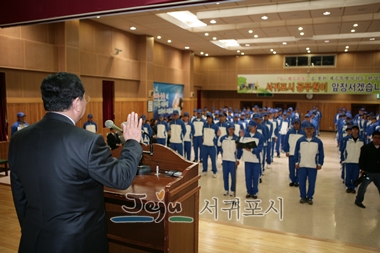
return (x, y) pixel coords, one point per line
(371, 38)
(326, 13)
(97, 16)
(274, 52)
(347, 47)
(353, 30)
(238, 51)
(186, 17)
(187, 47)
(300, 28)
(271, 50)
(212, 21)
(229, 43)
(307, 49)
(255, 36)
(217, 3)
(169, 41)
(355, 25)
(242, 53)
(302, 33)
(206, 34)
(284, 43)
(214, 38)
(250, 31)
(327, 41)
(345, 50)
(158, 37)
(206, 54)
(202, 53)
(247, 45)
(265, 17)
(132, 28)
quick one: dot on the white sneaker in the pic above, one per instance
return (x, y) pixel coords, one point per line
(225, 193)
(231, 194)
(268, 166)
(204, 173)
(214, 175)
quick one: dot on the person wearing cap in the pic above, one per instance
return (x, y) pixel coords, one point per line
(230, 158)
(374, 126)
(318, 117)
(243, 120)
(309, 157)
(275, 132)
(349, 157)
(177, 132)
(252, 159)
(360, 113)
(290, 141)
(343, 126)
(216, 116)
(162, 130)
(147, 130)
(210, 137)
(198, 123)
(188, 136)
(283, 130)
(90, 125)
(19, 124)
(222, 125)
(369, 164)
(238, 125)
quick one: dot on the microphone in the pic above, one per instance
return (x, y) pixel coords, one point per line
(109, 124)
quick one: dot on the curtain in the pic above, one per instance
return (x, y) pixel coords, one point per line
(3, 110)
(108, 101)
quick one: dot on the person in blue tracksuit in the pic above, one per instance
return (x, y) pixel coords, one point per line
(284, 126)
(262, 129)
(309, 157)
(237, 123)
(230, 158)
(278, 117)
(268, 152)
(198, 123)
(251, 158)
(177, 132)
(147, 129)
(188, 136)
(210, 137)
(291, 139)
(275, 132)
(162, 130)
(350, 152)
(223, 125)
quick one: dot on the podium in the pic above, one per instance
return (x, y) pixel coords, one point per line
(157, 213)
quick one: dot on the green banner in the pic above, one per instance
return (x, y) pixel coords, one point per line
(310, 83)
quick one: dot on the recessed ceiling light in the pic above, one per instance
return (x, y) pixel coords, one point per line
(202, 53)
(158, 37)
(271, 50)
(255, 36)
(206, 54)
(97, 16)
(187, 47)
(274, 52)
(353, 30)
(345, 50)
(250, 31)
(347, 47)
(242, 53)
(326, 13)
(265, 17)
(371, 38)
(307, 49)
(214, 38)
(327, 41)
(355, 25)
(206, 34)
(238, 51)
(284, 43)
(132, 28)
(300, 28)
(302, 33)
(217, 3)
(169, 41)
(247, 45)
(212, 21)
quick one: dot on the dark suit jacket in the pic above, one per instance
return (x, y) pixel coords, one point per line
(57, 175)
(112, 140)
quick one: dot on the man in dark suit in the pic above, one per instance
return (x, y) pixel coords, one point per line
(113, 140)
(58, 171)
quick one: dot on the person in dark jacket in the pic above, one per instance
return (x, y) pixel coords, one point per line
(369, 164)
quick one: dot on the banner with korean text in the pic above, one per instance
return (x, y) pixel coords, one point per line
(343, 83)
(167, 98)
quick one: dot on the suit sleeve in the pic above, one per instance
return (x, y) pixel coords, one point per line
(112, 172)
(19, 197)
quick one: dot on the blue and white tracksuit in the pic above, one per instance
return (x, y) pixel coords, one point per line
(274, 136)
(146, 128)
(308, 154)
(291, 139)
(230, 154)
(210, 137)
(283, 129)
(349, 157)
(223, 131)
(177, 131)
(198, 137)
(238, 126)
(263, 129)
(162, 132)
(252, 162)
(187, 140)
(268, 151)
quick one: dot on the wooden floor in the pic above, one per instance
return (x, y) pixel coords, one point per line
(214, 237)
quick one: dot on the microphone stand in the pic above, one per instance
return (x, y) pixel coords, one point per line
(150, 152)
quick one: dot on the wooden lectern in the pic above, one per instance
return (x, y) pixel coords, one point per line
(157, 213)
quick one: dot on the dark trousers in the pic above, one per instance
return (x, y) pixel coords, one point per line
(371, 177)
